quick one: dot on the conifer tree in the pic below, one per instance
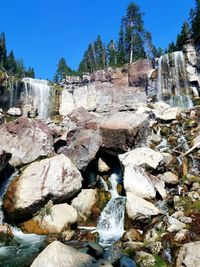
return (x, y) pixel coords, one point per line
(195, 14)
(121, 50)
(184, 35)
(3, 52)
(100, 54)
(11, 63)
(134, 33)
(111, 54)
(63, 70)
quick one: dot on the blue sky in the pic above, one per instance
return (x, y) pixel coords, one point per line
(42, 31)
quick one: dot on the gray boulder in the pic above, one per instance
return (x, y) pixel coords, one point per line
(54, 178)
(26, 139)
(58, 254)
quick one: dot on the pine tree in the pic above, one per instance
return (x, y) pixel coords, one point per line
(63, 70)
(171, 48)
(111, 54)
(100, 54)
(3, 52)
(134, 33)
(11, 63)
(30, 73)
(195, 17)
(20, 70)
(121, 50)
(184, 35)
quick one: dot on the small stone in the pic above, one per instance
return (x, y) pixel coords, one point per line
(169, 178)
(175, 225)
(14, 112)
(102, 166)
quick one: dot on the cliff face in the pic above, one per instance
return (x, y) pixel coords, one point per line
(109, 89)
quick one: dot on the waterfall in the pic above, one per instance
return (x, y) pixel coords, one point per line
(111, 222)
(37, 93)
(172, 84)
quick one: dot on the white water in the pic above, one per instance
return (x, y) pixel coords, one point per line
(22, 250)
(172, 81)
(38, 94)
(111, 222)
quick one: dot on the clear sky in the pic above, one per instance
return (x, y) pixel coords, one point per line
(42, 31)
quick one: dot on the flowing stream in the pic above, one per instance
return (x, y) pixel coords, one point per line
(23, 248)
(111, 222)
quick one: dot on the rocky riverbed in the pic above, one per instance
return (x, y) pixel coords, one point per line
(60, 176)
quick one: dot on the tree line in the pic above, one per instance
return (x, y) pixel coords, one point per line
(133, 43)
(190, 30)
(10, 64)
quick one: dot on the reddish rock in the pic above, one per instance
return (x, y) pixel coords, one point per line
(122, 131)
(26, 139)
(138, 73)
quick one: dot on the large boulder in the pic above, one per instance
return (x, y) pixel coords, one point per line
(138, 208)
(26, 139)
(58, 254)
(54, 178)
(122, 131)
(138, 182)
(4, 158)
(84, 142)
(142, 156)
(51, 220)
(189, 255)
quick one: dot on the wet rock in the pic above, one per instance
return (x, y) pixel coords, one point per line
(58, 254)
(138, 182)
(102, 166)
(95, 250)
(138, 208)
(83, 203)
(113, 254)
(6, 234)
(14, 112)
(4, 158)
(54, 178)
(189, 255)
(127, 262)
(51, 220)
(142, 155)
(122, 131)
(132, 235)
(26, 140)
(169, 178)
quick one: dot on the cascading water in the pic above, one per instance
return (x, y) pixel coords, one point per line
(37, 93)
(111, 223)
(172, 81)
(24, 247)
